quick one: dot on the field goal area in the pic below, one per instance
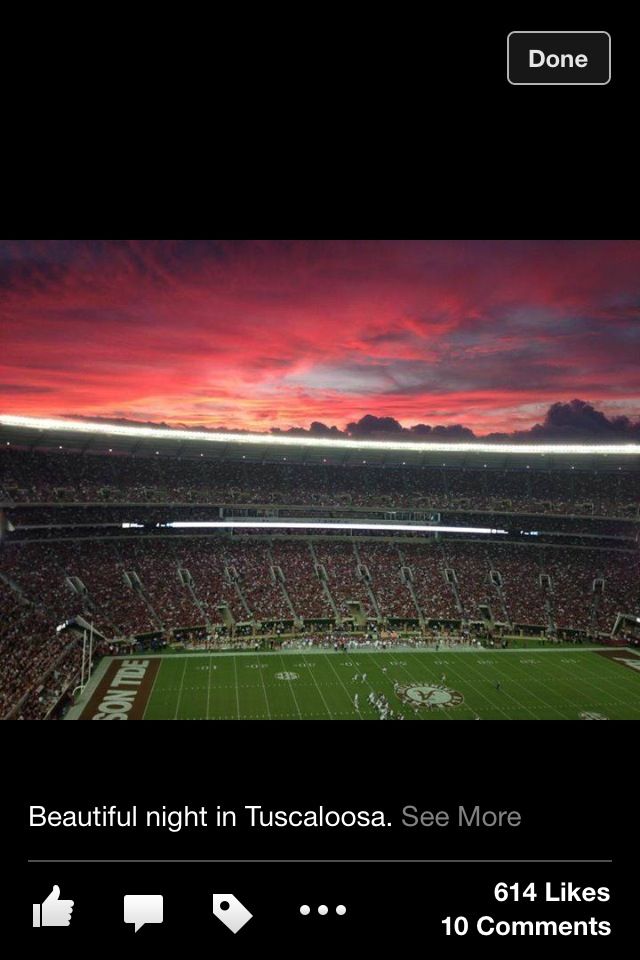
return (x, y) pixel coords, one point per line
(567, 683)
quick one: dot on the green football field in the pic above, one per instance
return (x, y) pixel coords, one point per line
(563, 684)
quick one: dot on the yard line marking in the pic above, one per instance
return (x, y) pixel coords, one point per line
(209, 685)
(153, 686)
(184, 670)
(532, 678)
(326, 705)
(369, 681)
(495, 706)
(519, 703)
(264, 687)
(235, 670)
(295, 699)
(340, 680)
(596, 686)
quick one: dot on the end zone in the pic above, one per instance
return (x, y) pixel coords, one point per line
(124, 690)
(625, 657)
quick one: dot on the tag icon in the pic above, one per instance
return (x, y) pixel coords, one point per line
(230, 911)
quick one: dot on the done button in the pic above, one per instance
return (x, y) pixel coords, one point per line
(558, 58)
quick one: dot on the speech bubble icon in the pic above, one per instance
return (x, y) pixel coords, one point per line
(142, 908)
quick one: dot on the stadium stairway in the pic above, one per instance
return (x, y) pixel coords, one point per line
(364, 576)
(495, 579)
(233, 577)
(407, 576)
(451, 578)
(133, 581)
(321, 574)
(187, 581)
(91, 610)
(277, 574)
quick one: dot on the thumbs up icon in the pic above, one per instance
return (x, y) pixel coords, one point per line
(54, 912)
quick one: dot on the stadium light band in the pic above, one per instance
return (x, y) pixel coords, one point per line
(311, 525)
(324, 443)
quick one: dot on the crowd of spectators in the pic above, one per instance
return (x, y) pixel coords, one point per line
(67, 477)
(35, 662)
(133, 587)
(49, 689)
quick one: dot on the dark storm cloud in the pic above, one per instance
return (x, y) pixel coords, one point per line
(576, 420)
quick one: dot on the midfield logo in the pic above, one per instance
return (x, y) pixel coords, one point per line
(428, 695)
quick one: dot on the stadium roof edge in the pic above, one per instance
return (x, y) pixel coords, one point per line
(283, 441)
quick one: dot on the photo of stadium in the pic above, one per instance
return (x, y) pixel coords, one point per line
(320, 481)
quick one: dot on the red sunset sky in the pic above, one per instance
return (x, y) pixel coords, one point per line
(255, 334)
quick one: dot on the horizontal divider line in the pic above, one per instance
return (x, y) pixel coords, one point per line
(280, 860)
